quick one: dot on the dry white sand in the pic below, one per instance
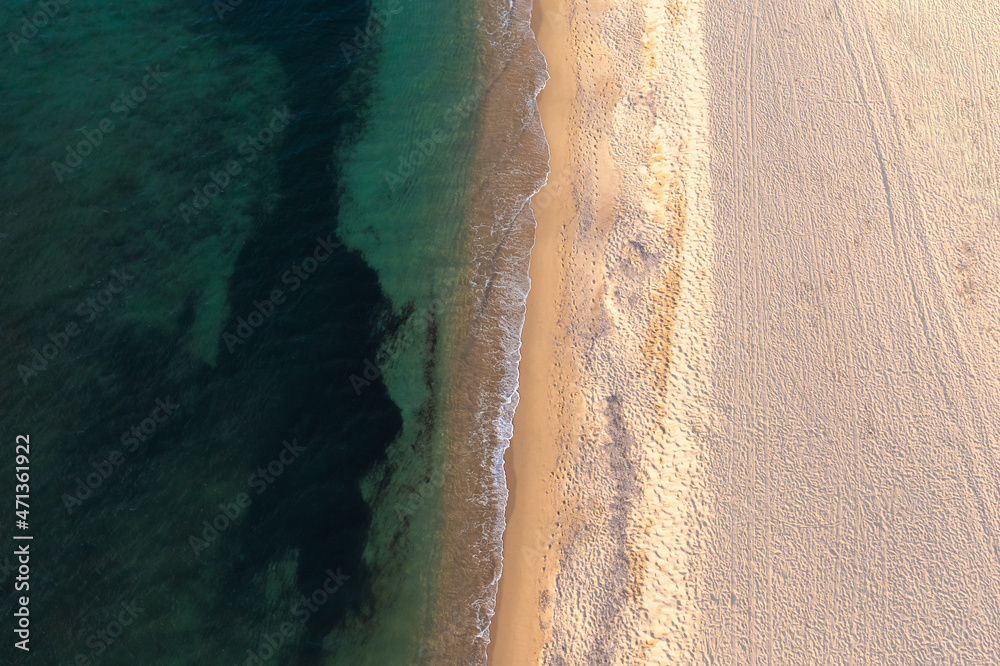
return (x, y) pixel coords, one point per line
(778, 289)
(854, 471)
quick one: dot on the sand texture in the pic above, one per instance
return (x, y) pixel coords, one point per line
(767, 274)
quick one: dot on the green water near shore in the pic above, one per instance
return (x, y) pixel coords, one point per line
(406, 207)
(119, 208)
(75, 226)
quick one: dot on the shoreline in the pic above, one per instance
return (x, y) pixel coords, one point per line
(688, 445)
(510, 163)
(518, 630)
(604, 466)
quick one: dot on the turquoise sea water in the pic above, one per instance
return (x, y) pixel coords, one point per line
(263, 267)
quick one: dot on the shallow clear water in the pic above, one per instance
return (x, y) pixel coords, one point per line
(263, 276)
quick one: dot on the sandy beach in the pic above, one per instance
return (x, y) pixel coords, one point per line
(617, 234)
(759, 399)
(535, 504)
